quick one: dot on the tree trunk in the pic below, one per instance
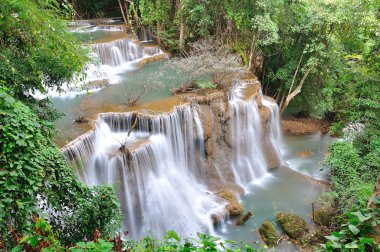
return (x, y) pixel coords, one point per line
(126, 4)
(122, 12)
(252, 54)
(296, 91)
(182, 26)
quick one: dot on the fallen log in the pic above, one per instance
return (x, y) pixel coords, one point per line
(243, 219)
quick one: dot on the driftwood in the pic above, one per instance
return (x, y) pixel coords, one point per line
(243, 219)
(184, 88)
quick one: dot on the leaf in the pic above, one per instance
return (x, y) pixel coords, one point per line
(332, 238)
(361, 217)
(173, 234)
(25, 239)
(81, 244)
(351, 245)
(366, 240)
(354, 229)
(18, 248)
(33, 241)
(212, 239)
(376, 201)
(201, 236)
(76, 250)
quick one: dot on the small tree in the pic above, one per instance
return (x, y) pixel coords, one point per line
(208, 58)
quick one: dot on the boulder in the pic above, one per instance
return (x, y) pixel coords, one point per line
(294, 226)
(268, 234)
(233, 207)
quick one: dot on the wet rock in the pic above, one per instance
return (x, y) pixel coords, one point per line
(305, 153)
(324, 216)
(294, 226)
(243, 219)
(233, 207)
(268, 233)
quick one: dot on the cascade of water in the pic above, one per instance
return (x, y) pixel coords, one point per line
(122, 50)
(275, 132)
(160, 180)
(145, 34)
(249, 161)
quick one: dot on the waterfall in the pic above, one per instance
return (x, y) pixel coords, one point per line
(249, 161)
(124, 50)
(145, 34)
(162, 180)
(275, 133)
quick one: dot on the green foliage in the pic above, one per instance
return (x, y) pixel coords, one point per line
(347, 176)
(206, 85)
(354, 235)
(36, 50)
(172, 242)
(35, 177)
(93, 8)
(99, 246)
(44, 238)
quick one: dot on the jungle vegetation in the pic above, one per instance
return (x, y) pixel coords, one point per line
(316, 58)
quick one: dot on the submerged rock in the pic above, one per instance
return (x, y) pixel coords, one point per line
(294, 226)
(268, 233)
(243, 219)
(233, 207)
(324, 216)
(305, 153)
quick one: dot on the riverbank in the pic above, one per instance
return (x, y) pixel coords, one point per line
(303, 126)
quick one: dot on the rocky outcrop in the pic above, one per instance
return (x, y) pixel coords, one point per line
(303, 126)
(233, 206)
(268, 233)
(293, 225)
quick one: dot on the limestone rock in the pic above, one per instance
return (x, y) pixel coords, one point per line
(294, 226)
(268, 233)
(233, 207)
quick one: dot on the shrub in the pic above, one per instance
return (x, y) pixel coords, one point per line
(206, 85)
(34, 177)
(347, 176)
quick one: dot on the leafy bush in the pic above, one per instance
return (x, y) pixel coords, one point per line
(36, 49)
(172, 242)
(44, 238)
(206, 85)
(354, 235)
(347, 176)
(34, 177)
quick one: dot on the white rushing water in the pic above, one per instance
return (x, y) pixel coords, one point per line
(160, 181)
(109, 61)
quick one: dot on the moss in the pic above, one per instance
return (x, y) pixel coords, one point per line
(323, 216)
(294, 226)
(233, 207)
(268, 233)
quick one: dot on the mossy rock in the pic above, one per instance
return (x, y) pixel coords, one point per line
(268, 233)
(324, 216)
(294, 226)
(233, 206)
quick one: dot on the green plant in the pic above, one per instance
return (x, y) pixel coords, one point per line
(93, 246)
(173, 242)
(37, 51)
(347, 176)
(354, 235)
(34, 177)
(206, 85)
